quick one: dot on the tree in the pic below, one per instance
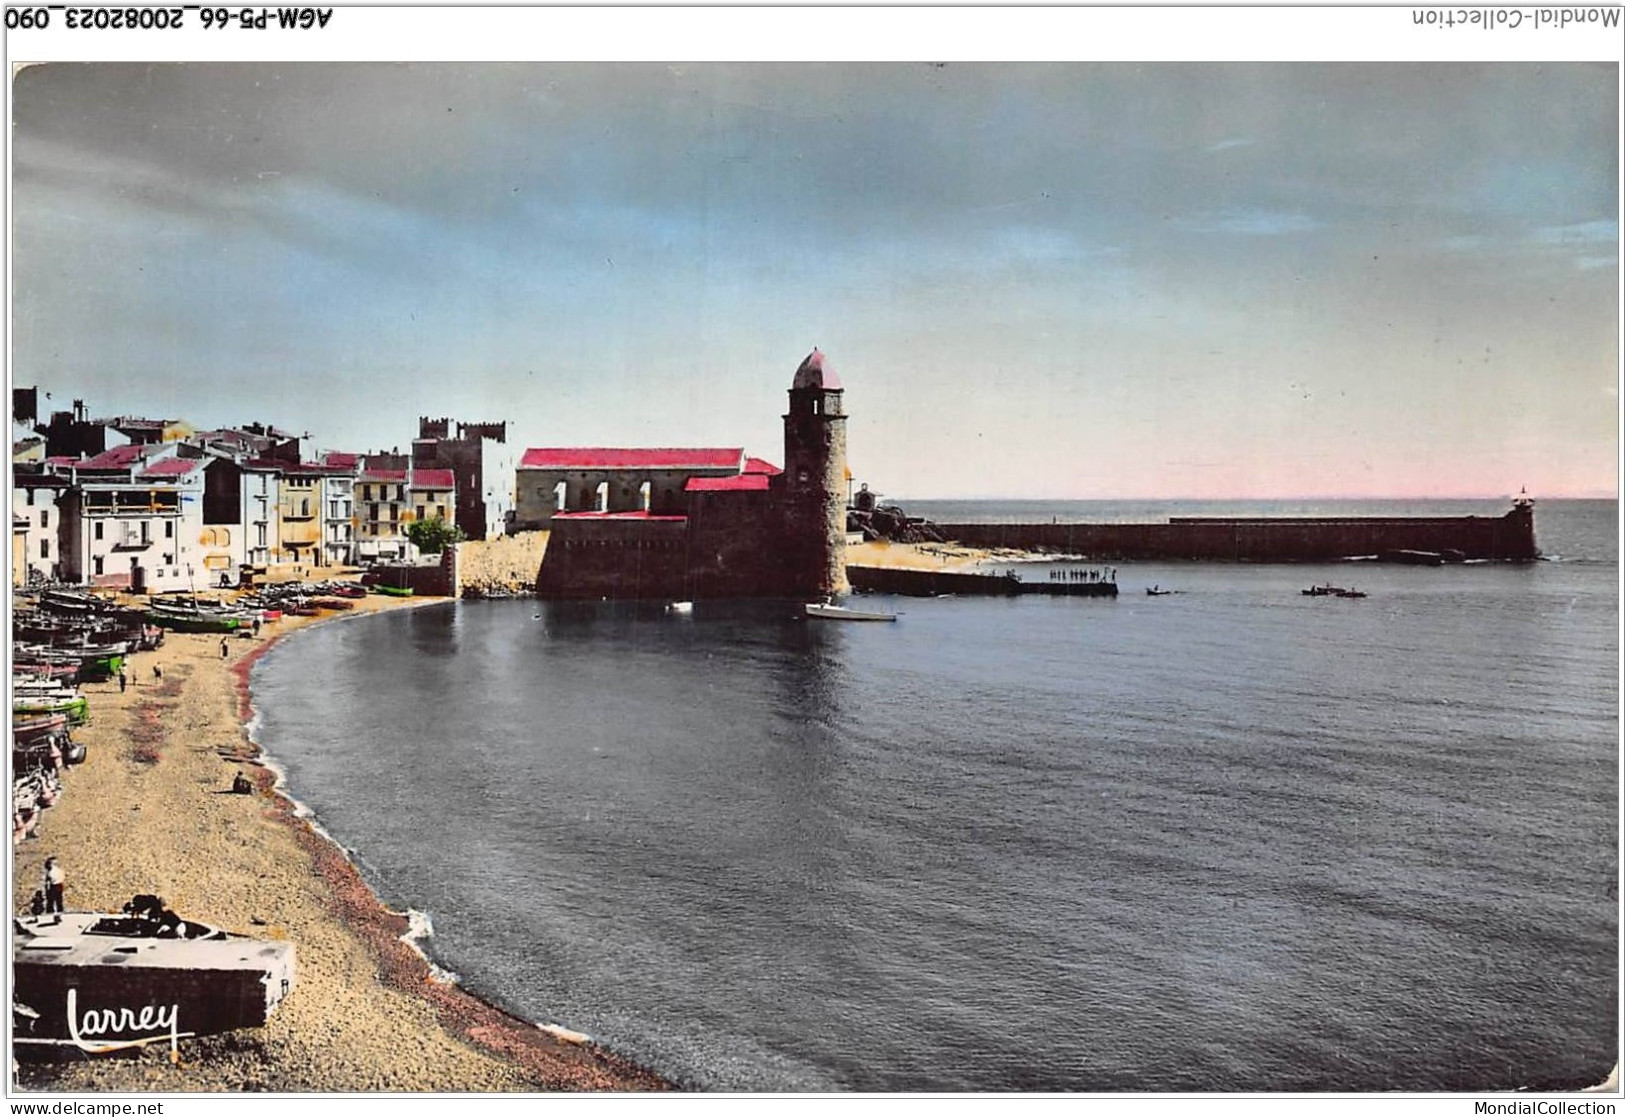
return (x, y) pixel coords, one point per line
(433, 536)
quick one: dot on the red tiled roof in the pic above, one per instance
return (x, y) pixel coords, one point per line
(387, 475)
(759, 465)
(608, 457)
(745, 482)
(639, 515)
(433, 479)
(171, 467)
(813, 374)
(336, 460)
(119, 457)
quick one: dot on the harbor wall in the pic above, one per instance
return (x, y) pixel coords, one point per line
(440, 580)
(1508, 538)
(938, 583)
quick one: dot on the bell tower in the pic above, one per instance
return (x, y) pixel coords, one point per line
(815, 482)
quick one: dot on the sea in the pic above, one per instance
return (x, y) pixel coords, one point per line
(1232, 838)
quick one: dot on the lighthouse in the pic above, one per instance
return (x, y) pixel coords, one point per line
(814, 500)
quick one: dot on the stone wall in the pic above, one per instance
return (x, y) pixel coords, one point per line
(617, 559)
(1507, 538)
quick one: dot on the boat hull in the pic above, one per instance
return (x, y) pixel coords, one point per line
(179, 623)
(101, 993)
(840, 613)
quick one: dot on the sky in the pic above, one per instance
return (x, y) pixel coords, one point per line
(1090, 281)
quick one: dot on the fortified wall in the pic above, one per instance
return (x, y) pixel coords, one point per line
(689, 524)
(1508, 538)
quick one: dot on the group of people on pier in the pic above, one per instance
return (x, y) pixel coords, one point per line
(1084, 574)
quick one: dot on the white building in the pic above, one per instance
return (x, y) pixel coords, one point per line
(36, 512)
(133, 519)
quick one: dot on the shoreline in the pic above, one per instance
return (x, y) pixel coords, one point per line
(373, 1015)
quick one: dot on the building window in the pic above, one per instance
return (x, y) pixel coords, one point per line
(423, 512)
(45, 548)
(96, 565)
(96, 533)
(44, 515)
(30, 497)
(169, 529)
(440, 511)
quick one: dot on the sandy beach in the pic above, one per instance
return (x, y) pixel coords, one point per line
(150, 811)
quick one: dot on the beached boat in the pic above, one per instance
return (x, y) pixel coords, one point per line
(75, 707)
(842, 613)
(393, 591)
(37, 725)
(99, 981)
(181, 620)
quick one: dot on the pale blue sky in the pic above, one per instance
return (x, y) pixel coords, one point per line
(1106, 280)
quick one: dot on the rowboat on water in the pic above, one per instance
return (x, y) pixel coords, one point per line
(826, 612)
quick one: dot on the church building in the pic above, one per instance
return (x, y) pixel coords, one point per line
(693, 523)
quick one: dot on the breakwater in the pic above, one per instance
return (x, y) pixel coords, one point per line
(1508, 538)
(935, 583)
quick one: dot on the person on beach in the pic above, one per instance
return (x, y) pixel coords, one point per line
(225, 650)
(122, 681)
(157, 672)
(54, 879)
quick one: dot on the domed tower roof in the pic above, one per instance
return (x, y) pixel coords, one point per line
(814, 374)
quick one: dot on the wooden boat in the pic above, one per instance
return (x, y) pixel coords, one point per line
(99, 981)
(842, 613)
(37, 725)
(348, 590)
(1158, 591)
(1327, 590)
(393, 591)
(75, 707)
(181, 620)
(680, 608)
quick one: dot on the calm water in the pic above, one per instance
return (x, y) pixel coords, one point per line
(1233, 839)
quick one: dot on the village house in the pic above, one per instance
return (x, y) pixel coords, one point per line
(433, 495)
(379, 508)
(36, 520)
(338, 504)
(133, 518)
